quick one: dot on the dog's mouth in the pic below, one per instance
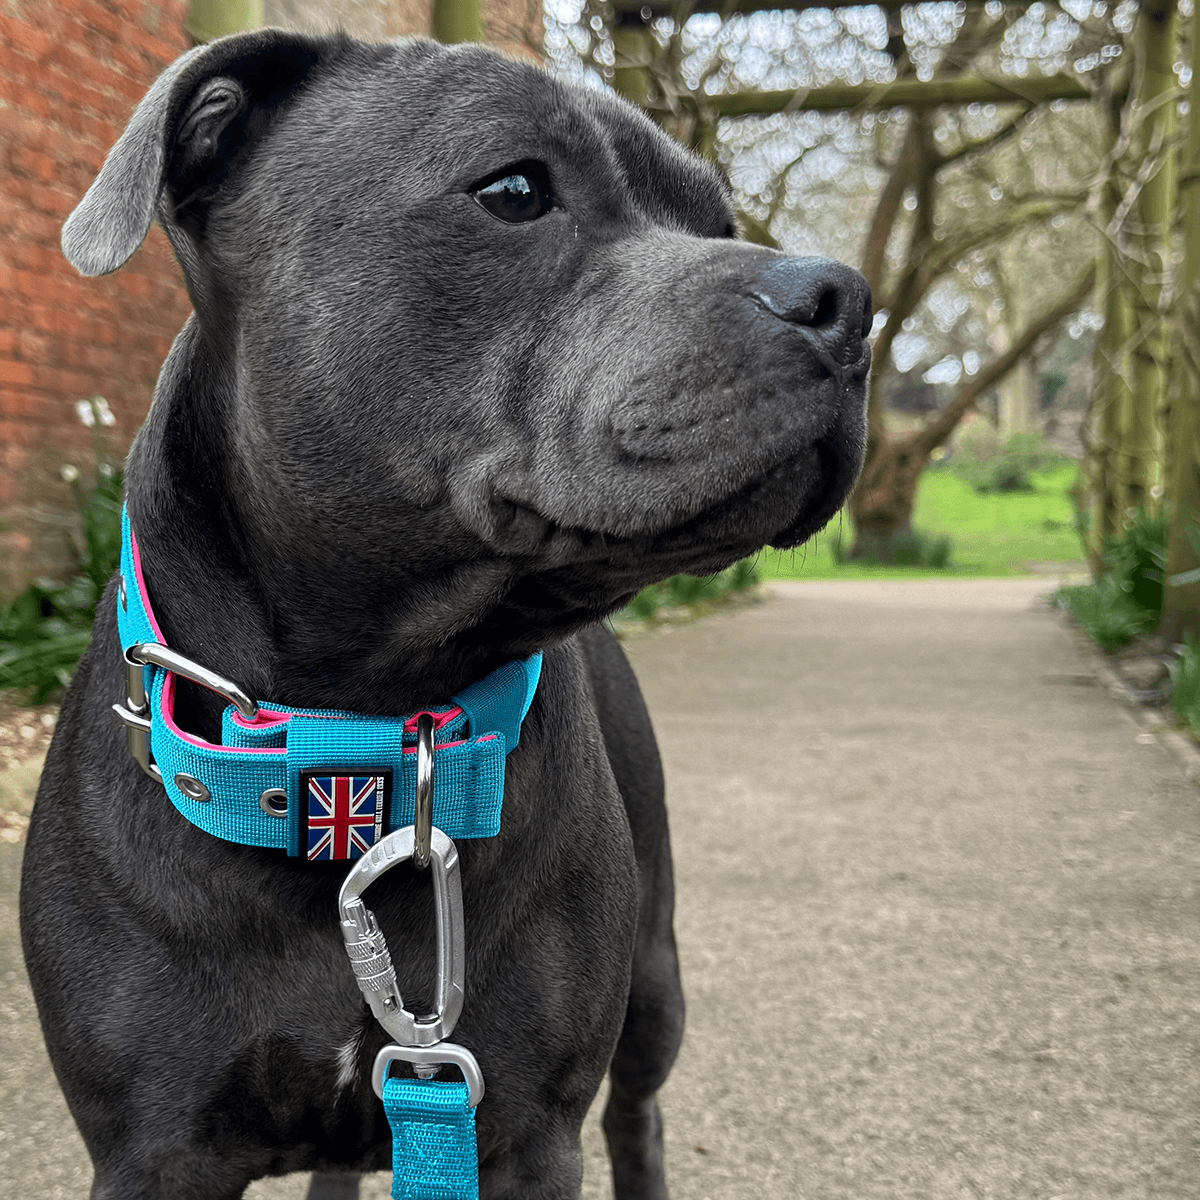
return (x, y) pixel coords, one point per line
(782, 507)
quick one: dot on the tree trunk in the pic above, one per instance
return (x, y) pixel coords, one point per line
(1117, 407)
(1181, 607)
(1099, 492)
(632, 76)
(1157, 46)
(1019, 400)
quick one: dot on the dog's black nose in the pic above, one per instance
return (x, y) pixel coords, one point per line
(826, 297)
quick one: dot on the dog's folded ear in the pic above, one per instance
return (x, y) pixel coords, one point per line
(183, 140)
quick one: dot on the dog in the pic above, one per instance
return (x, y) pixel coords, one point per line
(475, 355)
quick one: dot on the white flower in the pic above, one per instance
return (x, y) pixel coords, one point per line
(69, 473)
(85, 412)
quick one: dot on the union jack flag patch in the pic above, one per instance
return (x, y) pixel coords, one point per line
(345, 810)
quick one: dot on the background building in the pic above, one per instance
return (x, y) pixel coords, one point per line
(71, 73)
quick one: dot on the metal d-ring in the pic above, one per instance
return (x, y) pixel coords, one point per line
(423, 809)
(425, 1061)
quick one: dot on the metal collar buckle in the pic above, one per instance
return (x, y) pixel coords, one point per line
(134, 713)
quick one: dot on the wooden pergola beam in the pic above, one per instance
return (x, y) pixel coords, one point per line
(903, 93)
(626, 9)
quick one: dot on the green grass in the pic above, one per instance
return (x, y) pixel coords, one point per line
(995, 533)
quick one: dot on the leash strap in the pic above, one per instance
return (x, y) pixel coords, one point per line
(433, 1140)
(322, 783)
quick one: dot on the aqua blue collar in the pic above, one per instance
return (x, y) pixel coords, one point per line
(318, 783)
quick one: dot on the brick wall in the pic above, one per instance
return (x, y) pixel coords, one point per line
(512, 25)
(71, 73)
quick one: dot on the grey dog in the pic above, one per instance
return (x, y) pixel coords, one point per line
(475, 356)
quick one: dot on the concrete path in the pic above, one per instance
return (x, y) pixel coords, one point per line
(937, 914)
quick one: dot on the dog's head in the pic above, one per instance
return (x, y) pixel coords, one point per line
(456, 319)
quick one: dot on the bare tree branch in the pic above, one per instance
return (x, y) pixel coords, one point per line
(925, 440)
(983, 145)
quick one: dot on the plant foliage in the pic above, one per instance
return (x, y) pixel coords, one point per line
(1185, 685)
(1127, 600)
(691, 591)
(48, 626)
(1109, 614)
(989, 465)
(1137, 560)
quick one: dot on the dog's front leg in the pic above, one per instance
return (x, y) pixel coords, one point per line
(646, 1051)
(343, 1186)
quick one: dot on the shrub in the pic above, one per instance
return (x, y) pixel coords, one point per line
(48, 626)
(910, 549)
(1127, 600)
(986, 464)
(1106, 611)
(1138, 559)
(1185, 685)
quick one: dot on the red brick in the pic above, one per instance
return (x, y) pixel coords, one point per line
(157, 48)
(135, 65)
(71, 73)
(55, 201)
(34, 347)
(25, 39)
(20, 96)
(73, 384)
(20, 404)
(42, 166)
(16, 433)
(14, 373)
(99, 16)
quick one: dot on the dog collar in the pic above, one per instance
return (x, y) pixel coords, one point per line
(318, 783)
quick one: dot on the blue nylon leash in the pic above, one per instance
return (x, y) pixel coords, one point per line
(433, 1140)
(330, 784)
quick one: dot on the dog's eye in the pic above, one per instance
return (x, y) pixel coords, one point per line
(520, 194)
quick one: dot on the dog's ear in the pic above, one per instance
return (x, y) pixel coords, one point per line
(182, 141)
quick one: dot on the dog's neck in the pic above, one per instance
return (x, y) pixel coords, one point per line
(210, 580)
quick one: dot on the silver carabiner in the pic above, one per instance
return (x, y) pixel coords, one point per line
(367, 949)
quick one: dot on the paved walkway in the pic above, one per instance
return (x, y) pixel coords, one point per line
(937, 914)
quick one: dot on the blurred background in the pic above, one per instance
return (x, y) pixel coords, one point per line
(939, 935)
(1018, 181)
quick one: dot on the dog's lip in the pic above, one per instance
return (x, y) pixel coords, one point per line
(807, 522)
(690, 542)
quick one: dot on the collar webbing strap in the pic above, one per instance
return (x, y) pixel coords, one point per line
(433, 1140)
(349, 779)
